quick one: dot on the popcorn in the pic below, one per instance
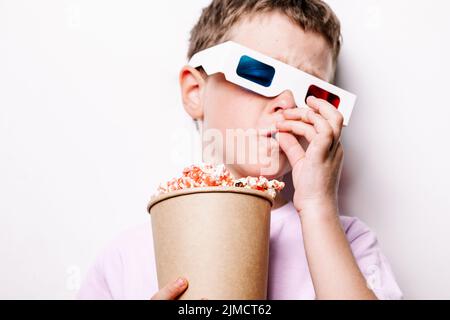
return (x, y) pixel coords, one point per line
(208, 175)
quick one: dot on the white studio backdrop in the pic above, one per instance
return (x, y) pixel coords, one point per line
(91, 121)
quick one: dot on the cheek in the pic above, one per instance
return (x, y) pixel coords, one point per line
(229, 106)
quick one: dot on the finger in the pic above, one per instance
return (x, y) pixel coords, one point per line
(172, 290)
(299, 128)
(309, 116)
(291, 147)
(301, 114)
(329, 112)
(325, 135)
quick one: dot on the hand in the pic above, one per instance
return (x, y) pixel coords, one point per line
(316, 171)
(172, 290)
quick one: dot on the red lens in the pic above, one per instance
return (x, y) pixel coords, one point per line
(323, 94)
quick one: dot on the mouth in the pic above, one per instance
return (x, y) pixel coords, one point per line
(268, 133)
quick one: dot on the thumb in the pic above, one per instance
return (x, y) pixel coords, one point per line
(291, 147)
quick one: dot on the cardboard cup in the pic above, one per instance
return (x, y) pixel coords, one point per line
(216, 237)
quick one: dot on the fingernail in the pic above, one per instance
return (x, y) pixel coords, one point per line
(275, 136)
(181, 282)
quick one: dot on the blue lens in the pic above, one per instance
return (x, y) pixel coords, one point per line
(255, 71)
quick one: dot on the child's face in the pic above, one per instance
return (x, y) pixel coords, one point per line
(222, 105)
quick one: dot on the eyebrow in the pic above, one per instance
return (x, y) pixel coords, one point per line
(300, 67)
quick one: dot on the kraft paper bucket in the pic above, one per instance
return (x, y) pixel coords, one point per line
(216, 237)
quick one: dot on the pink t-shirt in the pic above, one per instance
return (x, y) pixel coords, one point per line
(126, 269)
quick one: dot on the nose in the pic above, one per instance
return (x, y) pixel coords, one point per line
(284, 100)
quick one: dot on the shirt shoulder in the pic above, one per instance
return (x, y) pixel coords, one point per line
(123, 269)
(370, 259)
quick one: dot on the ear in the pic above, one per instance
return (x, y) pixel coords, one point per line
(192, 85)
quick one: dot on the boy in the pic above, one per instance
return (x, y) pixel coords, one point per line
(314, 252)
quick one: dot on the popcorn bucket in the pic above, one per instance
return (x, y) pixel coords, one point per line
(216, 237)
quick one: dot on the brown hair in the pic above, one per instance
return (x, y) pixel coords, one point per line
(220, 16)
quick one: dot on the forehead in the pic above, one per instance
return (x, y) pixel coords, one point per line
(275, 35)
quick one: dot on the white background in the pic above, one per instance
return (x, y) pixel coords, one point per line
(91, 122)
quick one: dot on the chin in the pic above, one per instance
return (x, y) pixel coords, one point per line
(276, 170)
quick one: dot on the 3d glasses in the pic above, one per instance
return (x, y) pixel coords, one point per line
(270, 77)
